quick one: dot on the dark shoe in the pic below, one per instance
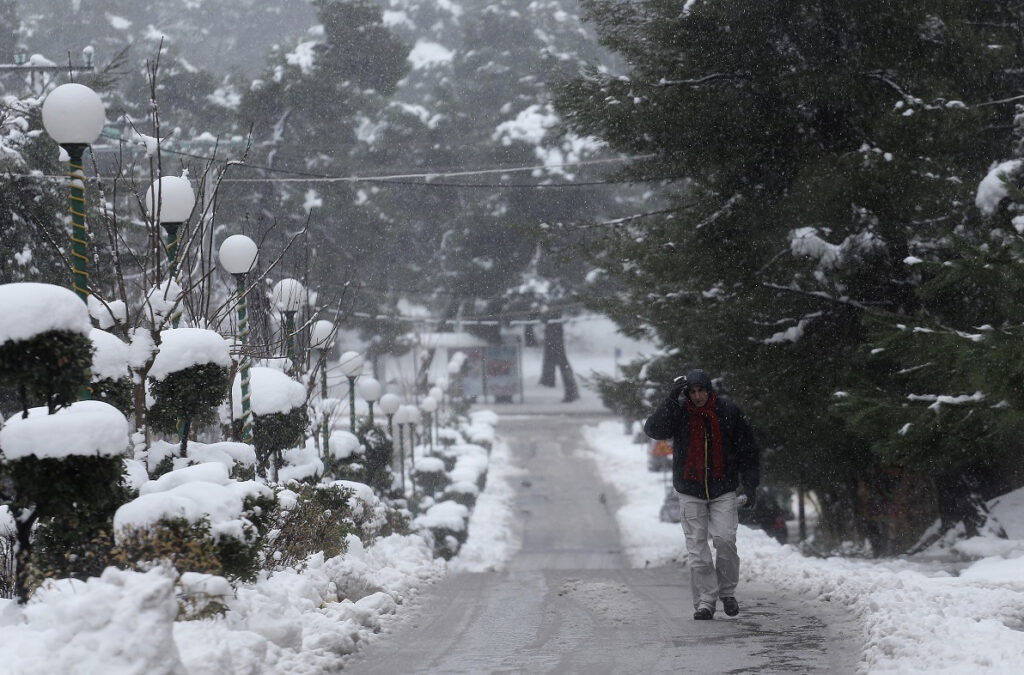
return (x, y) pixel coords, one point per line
(704, 614)
(731, 607)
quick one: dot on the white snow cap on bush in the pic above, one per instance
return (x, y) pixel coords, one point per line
(83, 428)
(270, 391)
(192, 493)
(162, 300)
(344, 444)
(182, 348)
(110, 360)
(430, 465)
(31, 309)
(991, 190)
(447, 514)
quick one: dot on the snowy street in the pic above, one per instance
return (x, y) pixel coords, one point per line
(570, 601)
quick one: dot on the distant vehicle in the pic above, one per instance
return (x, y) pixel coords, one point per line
(659, 455)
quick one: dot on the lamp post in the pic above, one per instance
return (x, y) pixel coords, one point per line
(369, 390)
(389, 405)
(288, 295)
(238, 254)
(351, 364)
(73, 115)
(321, 338)
(169, 201)
(401, 417)
(428, 405)
(412, 418)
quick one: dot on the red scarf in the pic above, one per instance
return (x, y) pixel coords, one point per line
(694, 469)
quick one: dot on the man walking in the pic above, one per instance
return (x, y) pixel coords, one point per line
(713, 450)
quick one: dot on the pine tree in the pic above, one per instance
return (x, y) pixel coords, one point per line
(809, 149)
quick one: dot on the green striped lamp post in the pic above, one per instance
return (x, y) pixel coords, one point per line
(288, 296)
(73, 115)
(169, 202)
(321, 338)
(238, 254)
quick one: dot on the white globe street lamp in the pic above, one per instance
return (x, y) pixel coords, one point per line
(369, 389)
(169, 201)
(238, 254)
(288, 296)
(402, 417)
(389, 404)
(73, 115)
(321, 338)
(351, 364)
(428, 405)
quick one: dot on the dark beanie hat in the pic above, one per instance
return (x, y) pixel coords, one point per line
(699, 378)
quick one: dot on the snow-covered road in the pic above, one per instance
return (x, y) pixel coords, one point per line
(572, 601)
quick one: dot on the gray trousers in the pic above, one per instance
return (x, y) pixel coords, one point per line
(710, 580)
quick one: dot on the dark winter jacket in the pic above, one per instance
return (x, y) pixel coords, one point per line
(741, 452)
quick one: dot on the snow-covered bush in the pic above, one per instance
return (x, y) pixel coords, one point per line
(429, 475)
(198, 519)
(188, 380)
(111, 378)
(64, 476)
(44, 355)
(446, 524)
(278, 405)
(60, 464)
(377, 450)
(316, 518)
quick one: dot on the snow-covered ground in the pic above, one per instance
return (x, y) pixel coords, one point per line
(916, 616)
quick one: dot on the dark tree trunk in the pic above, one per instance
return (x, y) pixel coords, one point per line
(530, 336)
(547, 366)
(960, 501)
(555, 356)
(423, 376)
(23, 529)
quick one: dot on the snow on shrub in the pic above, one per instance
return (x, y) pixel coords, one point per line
(188, 379)
(111, 377)
(446, 522)
(89, 428)
(198, 504)
(278, 405)
(21, 306)
(430, 475)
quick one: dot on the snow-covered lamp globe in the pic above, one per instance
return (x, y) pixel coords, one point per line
(389, 404)
(169, 202)
(351, 364)
(73, 115)
(238, 254)
(288, 296)
(321, 336)
(369, 389)
(428, 405)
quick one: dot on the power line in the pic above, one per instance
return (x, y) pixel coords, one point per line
(428, 177)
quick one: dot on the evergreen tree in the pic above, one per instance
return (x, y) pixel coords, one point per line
(809, 149)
